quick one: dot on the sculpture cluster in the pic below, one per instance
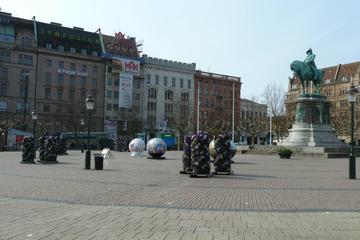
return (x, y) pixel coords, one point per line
(222, 159)
(50, 147)
(28, 150)
(200, 157)
(196, 157)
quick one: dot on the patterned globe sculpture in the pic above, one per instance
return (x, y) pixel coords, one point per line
(212, 151)
(233, 149)
(156, 147)
(136, 147)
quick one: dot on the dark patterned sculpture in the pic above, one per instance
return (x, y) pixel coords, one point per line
(222, 159)
(187, 155)
(50, 151)
(28, 150)
(41, 143)
(200, 158)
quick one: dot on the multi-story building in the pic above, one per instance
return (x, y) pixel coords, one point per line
(52, 69)
(216, 93)
(337, 80)
(123, 82)
(252, 110)
(168, 95)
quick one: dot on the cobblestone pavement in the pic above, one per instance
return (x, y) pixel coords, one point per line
(139, 198)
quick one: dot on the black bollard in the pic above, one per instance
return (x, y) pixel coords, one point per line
(28, 150)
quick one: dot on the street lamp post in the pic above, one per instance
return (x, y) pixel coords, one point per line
(89, 106)
(352, 160)
(82, 123)
(25, 78)
(34, 116)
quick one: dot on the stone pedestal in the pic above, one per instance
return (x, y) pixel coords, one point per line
(312, 124)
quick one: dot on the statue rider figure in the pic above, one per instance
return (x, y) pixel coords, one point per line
(309, 61)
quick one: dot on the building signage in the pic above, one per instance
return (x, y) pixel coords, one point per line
(125, 90)
(111, 128)
(71, 72)
(128, 65)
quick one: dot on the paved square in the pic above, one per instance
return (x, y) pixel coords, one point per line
(139, 198)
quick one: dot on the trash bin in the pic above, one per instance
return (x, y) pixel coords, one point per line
(99, 161)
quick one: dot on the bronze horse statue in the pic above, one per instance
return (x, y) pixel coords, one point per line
(307, 74)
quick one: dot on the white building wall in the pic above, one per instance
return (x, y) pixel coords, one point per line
(170, 69)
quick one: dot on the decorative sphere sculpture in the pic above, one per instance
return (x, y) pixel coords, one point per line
(136, 146)
(212, 150)
(156, 147)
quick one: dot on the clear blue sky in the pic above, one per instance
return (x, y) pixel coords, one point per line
(253, 39)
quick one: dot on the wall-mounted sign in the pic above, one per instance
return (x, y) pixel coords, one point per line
(71, 72)
(125, 90)
(128, 65)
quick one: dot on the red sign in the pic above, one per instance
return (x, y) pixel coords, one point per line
(119, 36)
(19, 138)
(131, 66)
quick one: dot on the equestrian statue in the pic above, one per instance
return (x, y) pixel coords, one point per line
(308, 72)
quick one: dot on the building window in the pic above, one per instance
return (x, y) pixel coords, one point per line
(181, 83)
(47, 93)
(3, 106)
(152, 93)
(3, 73)
(157, 79)
(72, 80)
(71, 94)
(109, 82)
(72, 66)
(59, 94)
(23, 91)
(151, 121)
(173, 82)
(151, 106)
(61, 64)
(5, 56)
(165, 80)
(48, 77)
(116, 82)
(61, 48)
(83, 51)
(169, 108)
(24, 75)
(46, 108)
(109, 94)
(25, 59)
(83, 68)
(137, 96)
(94, 83)
(72, 50)
(189, 84)
(83, 94)
(60, 79)
(184, 97)
(26, 42)
(20, 107)
(3, 89)
(169, 95)
(48, 46)
(116, 94)
(242, 114)
(148, 79)
(108, 106)
(48, 63)
(137, 83)
(116, 107)
(95, 69)
(83, 82)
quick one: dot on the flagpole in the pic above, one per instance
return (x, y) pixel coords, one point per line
(233, 111)
(198, 108)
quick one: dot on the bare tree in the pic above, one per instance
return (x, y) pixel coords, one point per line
(254, 126)
(274, 96)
